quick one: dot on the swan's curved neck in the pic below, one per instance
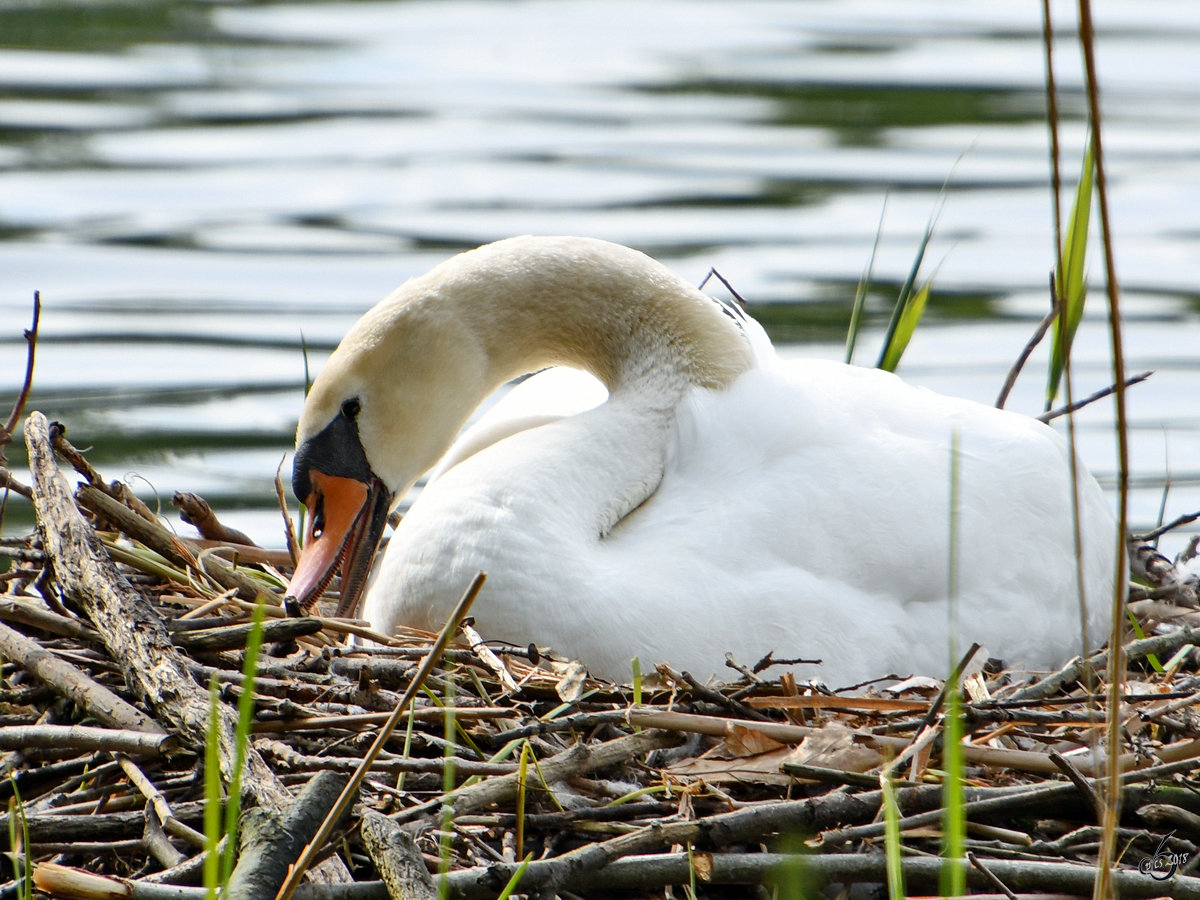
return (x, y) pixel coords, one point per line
(591, 305)
(422, 360)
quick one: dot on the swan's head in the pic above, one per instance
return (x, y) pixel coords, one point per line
(380, 414)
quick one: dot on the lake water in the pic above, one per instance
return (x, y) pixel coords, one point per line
(201, 189)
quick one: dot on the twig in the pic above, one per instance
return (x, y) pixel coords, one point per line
(1116, 664)
(189, 871)
(243, 553)
(713, 273)
(117, 490)
(716, 725)
(28, 612)
(1092, 398)
(195, 511)
(289, 527)
(467, 768)
(7, 480)
(650, 871)
(579, 721)
(158, 802)
(1077, 778)
(234, 637)
(1163, 529)
(366, 720)
(656, 870)
(703, 692)
(161, 541)
(157, 844)
(112, 825)
(18, 409)
(1030, 345)
(486, 656)
(1077, 668)
(271, 840)
(990, 876)
(952, 682)
(1169, 814)
(836, 776)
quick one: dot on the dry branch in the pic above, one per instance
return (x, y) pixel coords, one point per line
(73, 684)
(651, 871)
(31, 334)
(195, 511)
(271, 841)
(397, 859)
(81, 737)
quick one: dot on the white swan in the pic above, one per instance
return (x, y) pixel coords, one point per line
(718, 500)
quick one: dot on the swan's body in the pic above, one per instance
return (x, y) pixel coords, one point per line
(718, 500)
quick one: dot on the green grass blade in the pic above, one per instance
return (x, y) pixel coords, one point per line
(910, 303)
(516, 879)
(641, 792)
(637, 686)
(523, 770)
(233, 806)
(1070, 281)
(891, 837)
(212, 794)
(537, 767)
(792, 878)
(1141, 635)
(18, 842)
(406, 753)
(307, 371)
(860, 295)
(449, 774)
(908, 317)
(954, 820)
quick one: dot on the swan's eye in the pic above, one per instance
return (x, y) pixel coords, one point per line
(351, 408)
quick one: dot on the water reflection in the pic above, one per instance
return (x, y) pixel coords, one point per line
(199, 190)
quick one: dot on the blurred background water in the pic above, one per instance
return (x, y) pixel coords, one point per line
(201, 189)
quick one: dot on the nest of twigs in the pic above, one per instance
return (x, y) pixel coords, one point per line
(113, 629)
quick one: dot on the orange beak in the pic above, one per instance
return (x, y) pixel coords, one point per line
(344, 524)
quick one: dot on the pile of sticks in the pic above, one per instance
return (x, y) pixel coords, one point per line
(434, 763)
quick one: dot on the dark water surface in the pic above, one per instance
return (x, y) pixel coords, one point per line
(197, 188)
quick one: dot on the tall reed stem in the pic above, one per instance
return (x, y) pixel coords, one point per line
(1116, 660)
